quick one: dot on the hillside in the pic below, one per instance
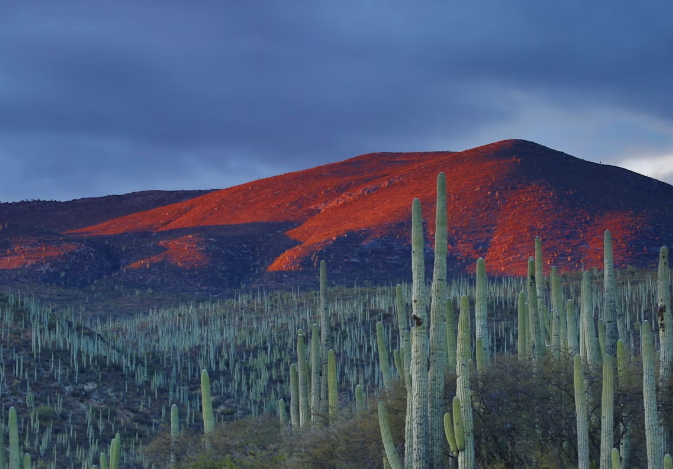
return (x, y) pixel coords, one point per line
(354, 214)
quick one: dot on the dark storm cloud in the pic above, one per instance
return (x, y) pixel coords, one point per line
(113, 96)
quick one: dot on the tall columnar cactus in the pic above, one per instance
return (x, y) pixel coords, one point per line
(625, 425)
(26, 461)
(3, 456)
(408, 423)
(316, 363)
(419, 344)
(481, 312)
(556, 313)
(573, 342)
(206, 405)
(522, 327)
(653, 430)
(539, 280)
(332, 384)
(665, 319)
(614, 328)
(388, 445)
(466, 456)
(282, 414)
(582, 416)
(14, 451)
(535, 324)
(403, 325)
(383, 356)
(607, 414)
(104, 461)
(616, 463)
(438, 332)
(302, 371)
(450, 335)
(588, 332)
(668, 462)
(175, 432)
(359, 399)
(115, 451)
(294, 397)
(325, 335)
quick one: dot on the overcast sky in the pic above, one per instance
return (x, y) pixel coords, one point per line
(105, 97)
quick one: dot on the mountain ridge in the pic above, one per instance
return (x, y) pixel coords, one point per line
(355, 214)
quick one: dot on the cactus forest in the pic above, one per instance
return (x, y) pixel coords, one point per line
(554, 370)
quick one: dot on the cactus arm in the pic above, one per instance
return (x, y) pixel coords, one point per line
(386, 436)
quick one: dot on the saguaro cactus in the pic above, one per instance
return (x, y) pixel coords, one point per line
(653, 430)
(582, 416)
(302, 371)
(175, 432)
(535, 325)
(316, 363)
(481, 312)
(419, 344)
(383, 356)
(332, 384)
(325, 334)
(590, 343)
(522, 327)
(614, 329)
(294, 397)
(665, 318)
(438, 331)
(607, 414)
(573, 342)
(14, 452)
(450, 335)
(466, 456)
(206, 404)
(386, 436)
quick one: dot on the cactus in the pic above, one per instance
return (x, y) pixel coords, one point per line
(437, 354)
(399, 362)
(325, 336)
(316, 363)
(419, 344)
(3, 456)
(665, 320)
(383, 356)
(653, 430)
(103, 461)
(26, 461)
(294, 397)
(481, 314)
(304, 411)
(206, 405)
(625, 428)
(522, 327)
(359, 399)
(588, 333)
(535, 325)
(282, 413)
(14, 451)
(607, 415)
(175, 432)
(573, 342)
(466, 456)
(115, 451)
(613, 329)
(450, 433)
(582, 418)
(450, 335)
(668, 462)
(332, 384)
(601, 337)
(388, 445)
(616, 464)
(539, 274)
(408, 422)
(556, 313)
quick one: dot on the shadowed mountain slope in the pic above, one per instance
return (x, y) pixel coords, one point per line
(356, 215)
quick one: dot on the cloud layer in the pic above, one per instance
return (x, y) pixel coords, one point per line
(111, 97)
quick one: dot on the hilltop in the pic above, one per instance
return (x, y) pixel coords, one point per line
(355, 214)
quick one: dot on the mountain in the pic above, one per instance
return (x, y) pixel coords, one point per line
(355, 214)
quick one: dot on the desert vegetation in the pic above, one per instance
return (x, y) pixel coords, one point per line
(557, 370)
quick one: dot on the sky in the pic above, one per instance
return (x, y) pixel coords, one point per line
(102, 97)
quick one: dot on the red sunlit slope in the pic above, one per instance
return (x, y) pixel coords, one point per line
(500, 196)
